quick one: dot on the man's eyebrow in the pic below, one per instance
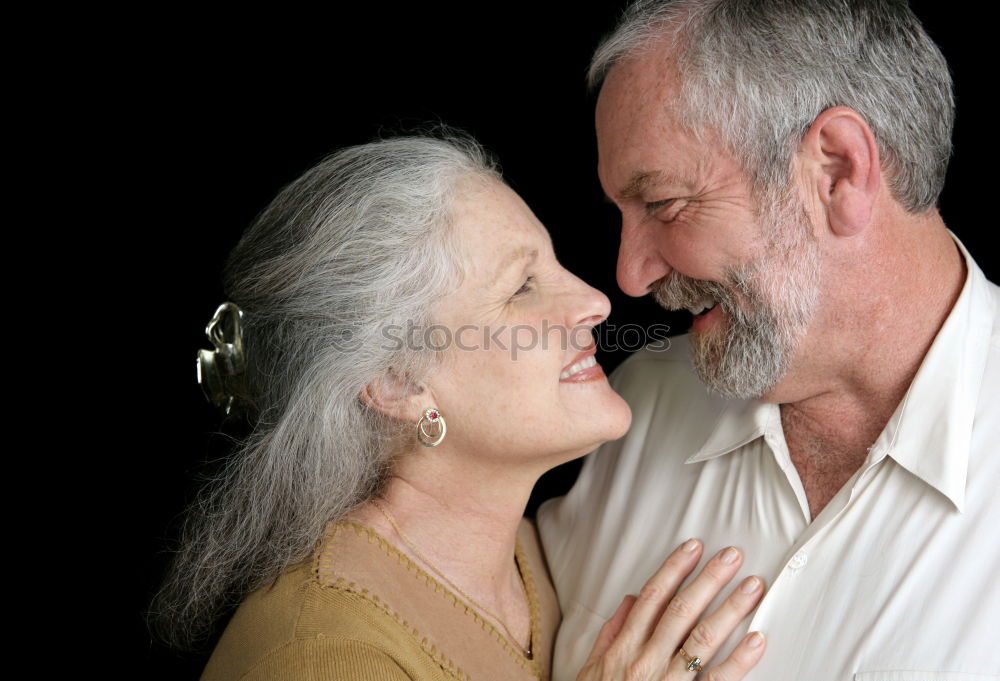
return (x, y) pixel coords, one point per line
(513, 257)
(641, 181)
(636, 185)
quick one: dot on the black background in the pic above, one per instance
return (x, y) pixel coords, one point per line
(214, 114)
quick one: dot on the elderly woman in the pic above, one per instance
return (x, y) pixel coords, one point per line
(415, 358)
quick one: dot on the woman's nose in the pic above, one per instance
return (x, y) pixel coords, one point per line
(594, 306)
(640, 262)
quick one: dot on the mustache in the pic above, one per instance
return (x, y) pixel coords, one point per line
(677, 291)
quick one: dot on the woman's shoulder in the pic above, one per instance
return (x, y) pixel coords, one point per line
(317, 621)
(328, 658)
(361, 609)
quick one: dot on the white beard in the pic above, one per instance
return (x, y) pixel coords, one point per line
(767, 305)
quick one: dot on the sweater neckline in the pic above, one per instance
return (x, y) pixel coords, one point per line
(416, 571)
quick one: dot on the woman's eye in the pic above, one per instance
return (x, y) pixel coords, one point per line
(525, 287)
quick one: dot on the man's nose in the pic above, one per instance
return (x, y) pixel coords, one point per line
(640, 262)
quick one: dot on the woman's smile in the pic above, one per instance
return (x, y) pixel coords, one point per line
(549, 316)
(584, 367)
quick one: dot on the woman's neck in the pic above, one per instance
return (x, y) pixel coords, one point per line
(462, 525)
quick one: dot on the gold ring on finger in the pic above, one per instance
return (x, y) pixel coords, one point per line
(693, 663)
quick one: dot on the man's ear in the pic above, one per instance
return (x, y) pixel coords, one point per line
(395, 394)
(842, 166)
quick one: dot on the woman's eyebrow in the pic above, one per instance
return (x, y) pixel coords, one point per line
(513, 257)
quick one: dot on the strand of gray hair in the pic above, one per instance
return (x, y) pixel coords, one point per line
(758, 72)
(359, 242)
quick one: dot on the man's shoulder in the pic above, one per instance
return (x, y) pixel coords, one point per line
(662, 365)
(663, 379)
(669, 403)
(994, 290)
(673, 350)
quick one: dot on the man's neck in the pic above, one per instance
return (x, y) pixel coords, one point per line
(854, 378)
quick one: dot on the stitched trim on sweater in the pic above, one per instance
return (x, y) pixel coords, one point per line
(324, 558)
(533, 607)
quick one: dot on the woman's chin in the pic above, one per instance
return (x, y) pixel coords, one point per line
(610, 421)
(621, 424)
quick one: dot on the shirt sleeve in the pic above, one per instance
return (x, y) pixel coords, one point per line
(328, 659)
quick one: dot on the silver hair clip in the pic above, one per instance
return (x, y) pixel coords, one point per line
(220, 371)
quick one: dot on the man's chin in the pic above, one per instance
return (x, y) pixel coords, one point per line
(744, 372)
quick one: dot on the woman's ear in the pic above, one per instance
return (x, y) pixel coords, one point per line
(395, 394)
(844, 167)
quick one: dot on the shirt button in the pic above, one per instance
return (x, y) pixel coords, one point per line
(799, 560)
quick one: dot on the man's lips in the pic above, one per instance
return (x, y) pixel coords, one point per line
(701, 306)
(707, 319)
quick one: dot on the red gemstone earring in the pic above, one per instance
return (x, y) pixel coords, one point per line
(433, 418)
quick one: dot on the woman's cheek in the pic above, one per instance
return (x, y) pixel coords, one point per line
(523, 339)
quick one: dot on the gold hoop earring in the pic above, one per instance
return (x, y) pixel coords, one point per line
(435, 419)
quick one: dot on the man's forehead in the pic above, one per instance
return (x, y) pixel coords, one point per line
(631, 110)
(651, 72)
(637, 99)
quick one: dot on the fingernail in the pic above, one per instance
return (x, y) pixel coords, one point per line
(754, 640)
(750, 584)
(689, 546)
(729, 556)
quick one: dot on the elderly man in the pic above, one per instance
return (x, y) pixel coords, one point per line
(777, 165)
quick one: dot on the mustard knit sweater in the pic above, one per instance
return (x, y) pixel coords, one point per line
(360, 610)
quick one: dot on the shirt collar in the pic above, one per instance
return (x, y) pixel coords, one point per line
(930, 432)
(740, 422)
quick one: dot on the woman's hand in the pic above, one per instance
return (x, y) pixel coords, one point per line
(644, 639)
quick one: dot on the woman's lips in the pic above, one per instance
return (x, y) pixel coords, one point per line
(584, 367)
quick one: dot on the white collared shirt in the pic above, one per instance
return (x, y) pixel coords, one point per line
(898, 578)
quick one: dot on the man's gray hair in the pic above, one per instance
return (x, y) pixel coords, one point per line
(360, 242)
(758, 73)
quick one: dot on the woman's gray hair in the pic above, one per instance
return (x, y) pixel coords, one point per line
(759, 72)
(358, 246)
